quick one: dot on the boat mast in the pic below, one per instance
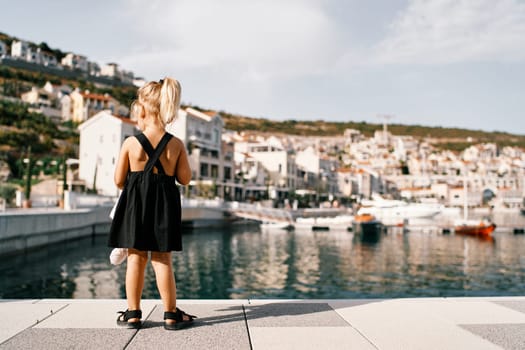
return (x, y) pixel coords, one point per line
(465, 198)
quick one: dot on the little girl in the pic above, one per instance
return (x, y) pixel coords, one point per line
(148, 214)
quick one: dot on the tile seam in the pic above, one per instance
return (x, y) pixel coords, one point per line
(34, 324)
(247, 327)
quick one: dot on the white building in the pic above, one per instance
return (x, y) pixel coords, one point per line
(201, 132)
(347, 180)
(277, 162)
(93, 68)
(66, 104)
(38, 97)
(21, 49)
(139, 81)
(100, 140)
(82, 105)
(318, 171)
(75, 61)
(3, 49)
(46, 58)
(110, 70)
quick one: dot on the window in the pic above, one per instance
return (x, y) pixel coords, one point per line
(227, 173)
(204, 169)
(214, 171)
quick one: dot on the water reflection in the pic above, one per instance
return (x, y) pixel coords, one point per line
(242, 262)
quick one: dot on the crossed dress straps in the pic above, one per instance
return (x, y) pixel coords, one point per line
(154, 153)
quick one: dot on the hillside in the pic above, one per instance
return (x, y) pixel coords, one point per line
(447, 138)
(18, 127)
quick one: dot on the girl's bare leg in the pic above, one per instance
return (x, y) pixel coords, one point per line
(137, 261)
(165, 280)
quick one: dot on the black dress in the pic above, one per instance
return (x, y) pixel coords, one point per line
(148, 214)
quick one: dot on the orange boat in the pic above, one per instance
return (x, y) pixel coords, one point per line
(474, 227)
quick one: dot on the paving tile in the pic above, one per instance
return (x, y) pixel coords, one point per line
(19, 315)
(508, 336)
(306, 338)
(406, 324)
(472, 312)
(278, 314)
(91, 314)
(217, 327)
(58, 339)
(514, 305)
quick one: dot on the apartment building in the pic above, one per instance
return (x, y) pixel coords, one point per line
(211, 161)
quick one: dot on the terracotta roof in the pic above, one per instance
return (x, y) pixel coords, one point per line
(210, 113)
(96, 96)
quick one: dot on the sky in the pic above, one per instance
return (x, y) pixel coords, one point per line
(450, 63)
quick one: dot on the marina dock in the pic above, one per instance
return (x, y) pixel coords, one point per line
(425, 323)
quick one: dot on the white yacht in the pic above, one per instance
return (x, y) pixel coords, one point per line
(388, 210)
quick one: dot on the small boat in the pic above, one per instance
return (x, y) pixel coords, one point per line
(480, 228)
(276, 225)
(474, 227)
(340, 222)
(368, 227)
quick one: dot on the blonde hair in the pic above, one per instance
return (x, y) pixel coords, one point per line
(160, 98)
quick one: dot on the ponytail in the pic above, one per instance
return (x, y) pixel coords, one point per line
(169, 100)
(161, 99)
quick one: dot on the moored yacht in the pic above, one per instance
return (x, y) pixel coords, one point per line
(395, 211)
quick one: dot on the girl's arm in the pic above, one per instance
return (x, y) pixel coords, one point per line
(121, 171)
(182, 168)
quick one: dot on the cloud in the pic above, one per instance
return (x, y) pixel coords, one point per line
(256, 40)
(455, 31)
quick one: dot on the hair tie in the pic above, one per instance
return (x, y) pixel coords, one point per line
(161, 81)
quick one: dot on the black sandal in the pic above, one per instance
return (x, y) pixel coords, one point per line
(178, 316)
(124, 316)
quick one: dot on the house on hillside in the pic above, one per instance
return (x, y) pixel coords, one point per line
(110, 70)
(3, 49)
(75, 61)
(93, 68)
(45, 58)
(21, 50)
(82, 105)
(100, 140)
(38, 97)
(45, 100)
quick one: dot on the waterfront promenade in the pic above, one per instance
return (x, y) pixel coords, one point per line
(424, 323)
